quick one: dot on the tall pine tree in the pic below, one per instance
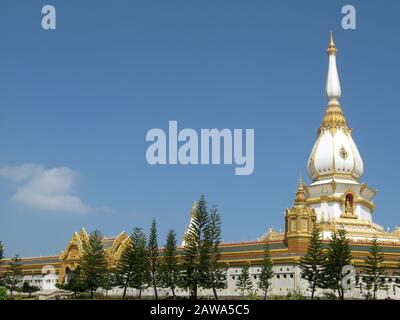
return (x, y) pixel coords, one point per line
(264, 283)
(244, 282)
(216, 270)
(311, 264)
(93, 263)
(125, 267)
(196, 251)
(141, 278)
(154, 256)
(169, 268)
(375, 272)
(338, 256)
(12, 277)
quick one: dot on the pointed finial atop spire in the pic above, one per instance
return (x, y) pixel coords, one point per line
(333, 90)
(332, 48)
(300, 194)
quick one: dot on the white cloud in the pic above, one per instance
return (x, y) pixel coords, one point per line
(45, 189)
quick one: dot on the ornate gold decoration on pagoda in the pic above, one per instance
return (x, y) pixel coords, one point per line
(300, 221)
(348, 205)
(300, 194)
(333, 118)
(71, 255)
(113, 248)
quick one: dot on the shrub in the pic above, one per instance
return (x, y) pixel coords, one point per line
(295, 295)
(329, 296)
(3, 293)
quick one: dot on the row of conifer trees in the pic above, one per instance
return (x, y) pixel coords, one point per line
(329, 266)
(142, 265)
(198, 264)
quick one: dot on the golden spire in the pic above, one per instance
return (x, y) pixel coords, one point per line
(300, 194)
(332, 48)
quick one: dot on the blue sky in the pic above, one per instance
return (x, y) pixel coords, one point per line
(76, 104)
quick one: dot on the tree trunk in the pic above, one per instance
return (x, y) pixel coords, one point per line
(215, 293)
(265, 294)
(124, 294)
(195, 292)
(91, 294)
(173, 293)
(140, 293)
(155, 287)
(313, 291)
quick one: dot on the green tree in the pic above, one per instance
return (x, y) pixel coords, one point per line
(27, 288)
(93, 263)
(311, 264)
(74, 284)
(169, 268)
(337, 256)
(108, 281)
(244, 282)
(264, 283)
(125, 267)
(154, 256)
(216, 274)
(375, 272)
(141, 263)
(3, 293)
(196, 251)
(12, 277)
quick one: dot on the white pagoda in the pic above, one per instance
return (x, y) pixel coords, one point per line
(335, 167)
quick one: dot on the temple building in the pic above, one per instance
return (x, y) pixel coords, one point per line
(335, 198)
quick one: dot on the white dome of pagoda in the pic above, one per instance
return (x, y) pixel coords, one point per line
(334, 153)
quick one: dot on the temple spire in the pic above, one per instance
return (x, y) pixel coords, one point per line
(300, 194)
(192, 212)
(333, 90)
